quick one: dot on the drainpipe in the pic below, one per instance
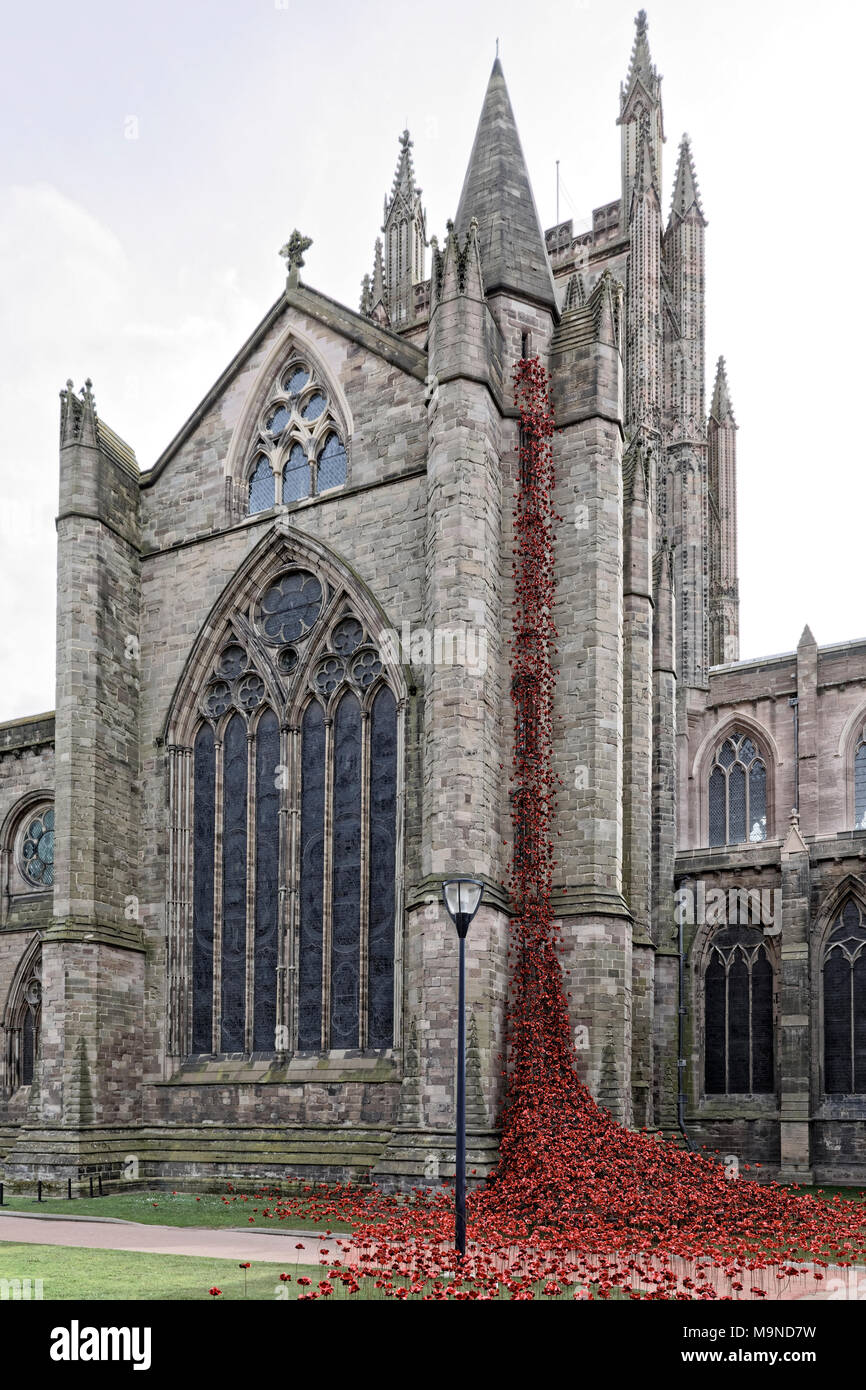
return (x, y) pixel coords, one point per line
(681, 1029)
(794, 702)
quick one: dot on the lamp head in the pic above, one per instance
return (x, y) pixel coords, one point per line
(462, 898)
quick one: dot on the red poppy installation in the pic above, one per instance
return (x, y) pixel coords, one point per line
(578, 1206)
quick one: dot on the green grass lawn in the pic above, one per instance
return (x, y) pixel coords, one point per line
(69, 1272)
(166, 1209)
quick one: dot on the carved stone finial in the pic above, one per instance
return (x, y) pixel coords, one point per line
(640, 22)
(293, 254)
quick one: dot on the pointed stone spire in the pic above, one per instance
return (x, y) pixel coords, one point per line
(722, 410)
(456, 269)
(378, 273)
(806, 639)
(373, 291)
(497, 191)
(575, 294)
(366, 295)
(87, 432)
(722, 469)
(686, 192)
(641, 72)
(606, 300)
(646, 174)
(640, 116)
(404, 179)
(70, 415)
(404, 229)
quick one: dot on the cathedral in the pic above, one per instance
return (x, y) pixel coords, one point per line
(284, 718)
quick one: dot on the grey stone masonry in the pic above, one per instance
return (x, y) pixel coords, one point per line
(407, 525)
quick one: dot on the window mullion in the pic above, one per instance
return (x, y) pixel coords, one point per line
(328, 885)
(727, 1024)
(852, 1026)
(249, 949)
(364, 919)
(749, 964)
(216, 1019)
(289, 881)
(747, 779)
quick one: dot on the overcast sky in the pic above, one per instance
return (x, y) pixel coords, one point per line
(156, 156)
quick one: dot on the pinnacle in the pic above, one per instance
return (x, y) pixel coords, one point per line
(404, 176)
(641, 65)
(646, 176)
(722, 411)
(686, 193)
(497, 191)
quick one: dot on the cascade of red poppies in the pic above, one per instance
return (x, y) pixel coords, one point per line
(540, 1047)
(577, 1202)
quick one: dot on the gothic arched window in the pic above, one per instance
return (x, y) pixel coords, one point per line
(23, 1024)
(261, 487)
(737, 792)
(298, 451)
(294, 830)
(860, 787)
(332, 464)
(845, 1004)
(36, 847)
(738, 1014)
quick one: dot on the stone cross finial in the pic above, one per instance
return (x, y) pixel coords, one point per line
(293, 254)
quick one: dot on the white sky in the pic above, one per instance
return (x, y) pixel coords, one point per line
(145, 262)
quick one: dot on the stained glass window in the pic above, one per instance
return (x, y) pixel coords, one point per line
(261, 486)
(340, 801)
(312, 878)
(383, 817)
(277, 420)
(332, 464)
(314, 406)
(299, 412)
(347, 636)
(234, 924)
(738, 1015)
(346, 901)
(37, 849)
(296, 475)
(290, 607)
(737, 793)
(267, 881)
(203, 899)
(28, 1048)
(296, 379)
(845, 1004)
(860, 788)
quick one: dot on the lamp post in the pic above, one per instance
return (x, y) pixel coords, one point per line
(462, 898)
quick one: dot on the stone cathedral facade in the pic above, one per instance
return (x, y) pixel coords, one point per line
(284, 717)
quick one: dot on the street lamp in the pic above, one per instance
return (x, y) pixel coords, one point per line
(462, 898)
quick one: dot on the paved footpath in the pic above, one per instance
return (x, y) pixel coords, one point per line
(220, 1244)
